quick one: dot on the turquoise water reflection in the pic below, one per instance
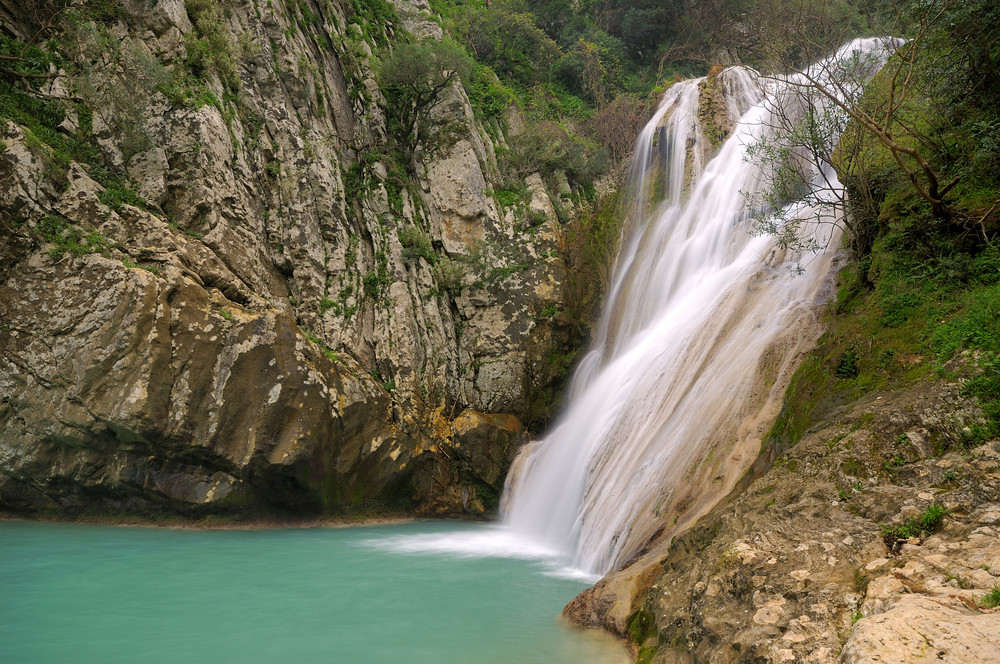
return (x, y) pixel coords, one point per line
(82, 594)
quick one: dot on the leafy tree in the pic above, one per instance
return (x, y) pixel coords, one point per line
(641, 25)
(412, 77)
(916, 123)
(22, 57)
(591, 67)
(511, 43)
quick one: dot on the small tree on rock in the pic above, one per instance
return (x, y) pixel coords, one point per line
(412, 78)
(838, 120)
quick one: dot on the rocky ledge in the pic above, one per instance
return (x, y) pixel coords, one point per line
(875, 539)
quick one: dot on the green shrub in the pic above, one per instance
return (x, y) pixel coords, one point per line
(511, 44)
(546, 147)
(589, 70)
(67, 237)
(925, 523)
(898, 308)
(416, 244)
(449, 275)
(985, 387)
(847, 367)
(375, 281)
(119, 194)
(207, 47)
(377, 19)
(370, 283)
(488, 95)
(512, 196)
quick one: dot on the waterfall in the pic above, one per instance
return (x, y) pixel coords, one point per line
(703, 324)
(701, 331)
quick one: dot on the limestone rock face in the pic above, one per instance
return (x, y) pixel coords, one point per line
(795, 568)
(141, 392)
(470, 466)
(921, 629)
(260, 333)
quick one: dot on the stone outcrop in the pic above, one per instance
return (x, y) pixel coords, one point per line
(797, 567)
(290, 320)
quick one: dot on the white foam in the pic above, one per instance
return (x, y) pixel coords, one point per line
(487, 542)
(571, 573)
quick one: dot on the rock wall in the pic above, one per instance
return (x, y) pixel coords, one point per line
(797, 566)
(289, 319)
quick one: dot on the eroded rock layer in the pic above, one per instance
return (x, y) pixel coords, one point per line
(286, 318)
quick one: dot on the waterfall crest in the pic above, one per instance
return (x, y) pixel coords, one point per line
(702, 327)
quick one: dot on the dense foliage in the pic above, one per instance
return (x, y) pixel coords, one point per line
(922, 297)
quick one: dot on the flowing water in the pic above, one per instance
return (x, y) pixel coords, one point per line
(92, 594)
(702, 328)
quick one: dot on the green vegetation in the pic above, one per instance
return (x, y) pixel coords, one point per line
(925, 523)
(591, 244)
(331, 355)
(416, 244)
(375, 282)
(67, 237)
(991, 600)
(208, 48)
(449, 274)
(924, 285)
(60, 131)
(641, 628)
(118, 194)
(376, 19)
(961, 581)
(556, 63)
(547, 147)
(413, 76)
(517, 194)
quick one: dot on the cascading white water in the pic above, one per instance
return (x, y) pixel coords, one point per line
(702, 327)
(701, 331)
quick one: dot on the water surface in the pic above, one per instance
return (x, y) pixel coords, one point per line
(82, 594)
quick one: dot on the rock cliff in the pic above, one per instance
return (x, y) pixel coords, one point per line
(221, 290)
(874, 539)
